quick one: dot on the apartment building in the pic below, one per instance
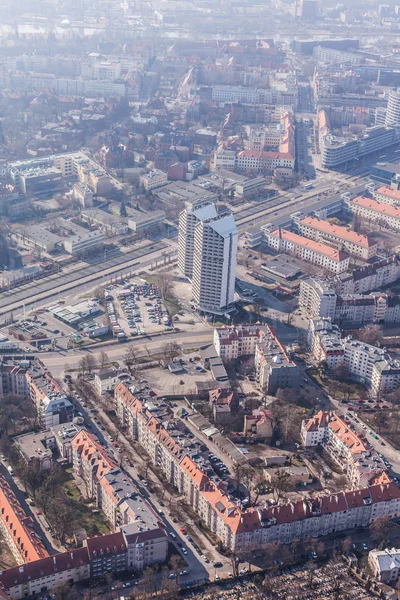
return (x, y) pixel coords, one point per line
(214, 264)
(388, 195)
(17, 528)
(274, 369)
(47, 395)
(370, 277)
(324, 256)
(324, 341)
(188, 219)
(227, 93)
(239, 529)
(352, 453)
(367, 364)
(13, 377)
(235, 341)
(45, 574)
(318, 299)
(90, 462)
(356, 244)
(121, 503)
(370, 209)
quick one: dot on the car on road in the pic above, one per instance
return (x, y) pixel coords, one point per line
(184, 550)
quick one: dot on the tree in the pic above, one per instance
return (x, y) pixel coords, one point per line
(341, 372)
(122, 211)
(347, 545)
(103, 360)
(91, 363)
(381, 419)
(288, 395)
(370, 334)
(380, 528)
(130, 355)
(171, 350)
(280, 482)
(290, 309)
(165, 282)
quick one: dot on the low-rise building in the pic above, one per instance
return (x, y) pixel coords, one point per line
(106, 380)
(259, 425)
(154, 179)
(326, 257)
(385, 565)
(344, 238)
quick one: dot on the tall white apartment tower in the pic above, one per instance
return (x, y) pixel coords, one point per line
(393, 108)
(214, 264)
(188, 219)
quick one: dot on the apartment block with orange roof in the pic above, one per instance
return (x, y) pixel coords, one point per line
(351, 452)
(388, 195)
(326, 257)
(17, 528)
(242, 529)
(370, 209)
(356, 244)
(90, 461)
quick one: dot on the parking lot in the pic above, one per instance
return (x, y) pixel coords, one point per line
(138, 308)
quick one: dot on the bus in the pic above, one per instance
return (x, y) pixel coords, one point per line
(308, 186)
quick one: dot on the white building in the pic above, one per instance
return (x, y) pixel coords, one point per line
(355, 456)
(153, 179)
(318, 299)
(385, 565)
(393, 108)
(78, 244)
(316, 253)
(214, 264)
(388, 195)
(223, 159)
(344, 238)
(238, 340)
(227, 93)
(188, 219)
(376, 211)
(105, 381)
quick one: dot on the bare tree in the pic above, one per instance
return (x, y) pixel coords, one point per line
(171, 350)
(370, 334)
(165, 282)
(104, 360)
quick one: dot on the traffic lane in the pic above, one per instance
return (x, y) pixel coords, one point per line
(56, 287)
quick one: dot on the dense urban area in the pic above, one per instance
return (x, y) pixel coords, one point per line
(199, 300)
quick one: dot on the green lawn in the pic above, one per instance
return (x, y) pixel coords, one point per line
(95, 524)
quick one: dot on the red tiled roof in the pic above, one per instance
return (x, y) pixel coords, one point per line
(51, 565)
(338, 231)
(381, 207)
(299, 240)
